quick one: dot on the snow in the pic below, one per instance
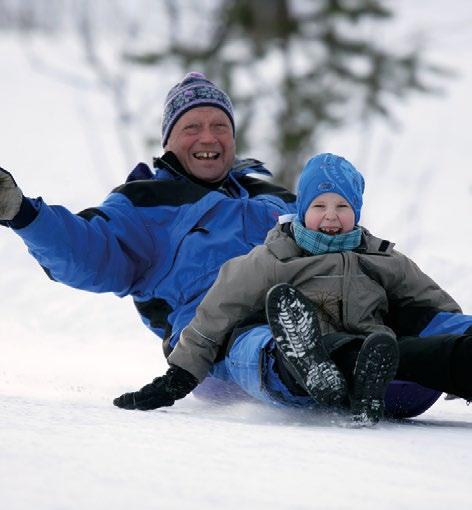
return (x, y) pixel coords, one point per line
(66, 354)
(69, 453)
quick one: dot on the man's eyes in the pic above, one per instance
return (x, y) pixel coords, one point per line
(216, 127)
(221, 127)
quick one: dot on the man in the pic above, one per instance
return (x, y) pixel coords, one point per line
(162, 236)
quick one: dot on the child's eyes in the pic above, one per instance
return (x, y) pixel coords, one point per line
(322, 206)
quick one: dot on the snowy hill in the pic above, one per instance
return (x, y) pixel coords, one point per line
(65, 354)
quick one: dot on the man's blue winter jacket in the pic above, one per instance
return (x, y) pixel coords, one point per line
(160, 238)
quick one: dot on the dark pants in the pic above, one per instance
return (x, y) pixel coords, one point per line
(441, 362)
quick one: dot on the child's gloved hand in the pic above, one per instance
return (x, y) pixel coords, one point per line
(10, 196)
(162, 392)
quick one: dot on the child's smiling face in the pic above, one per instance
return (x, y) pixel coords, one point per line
(331, 214)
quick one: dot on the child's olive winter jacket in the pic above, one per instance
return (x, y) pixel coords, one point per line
(374, 288)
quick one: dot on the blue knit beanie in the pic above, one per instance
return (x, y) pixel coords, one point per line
(193, 91)
(328, 173)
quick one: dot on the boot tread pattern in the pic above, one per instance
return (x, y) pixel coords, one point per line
(292, 318)
(376, 367)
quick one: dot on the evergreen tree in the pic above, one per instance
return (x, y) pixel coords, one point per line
(294, 68)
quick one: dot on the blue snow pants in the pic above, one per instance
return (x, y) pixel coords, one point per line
(249, 367)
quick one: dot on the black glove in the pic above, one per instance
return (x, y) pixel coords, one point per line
(163, 391)
(10, 196)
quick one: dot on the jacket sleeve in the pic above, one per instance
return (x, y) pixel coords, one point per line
(105, 249)
(239, 290)
(414, 298)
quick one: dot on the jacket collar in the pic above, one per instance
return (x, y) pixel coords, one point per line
(371, 244)
(241, 167)
(168, 163)
(281, 243)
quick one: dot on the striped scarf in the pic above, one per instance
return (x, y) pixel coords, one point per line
(318, 243)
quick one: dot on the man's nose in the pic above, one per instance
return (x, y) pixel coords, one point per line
(207, 135)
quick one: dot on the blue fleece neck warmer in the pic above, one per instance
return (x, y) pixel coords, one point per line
(328, 173)
(318, 243)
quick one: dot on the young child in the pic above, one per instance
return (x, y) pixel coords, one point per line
(328, 288)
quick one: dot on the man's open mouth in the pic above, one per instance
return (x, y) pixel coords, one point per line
(206, 155)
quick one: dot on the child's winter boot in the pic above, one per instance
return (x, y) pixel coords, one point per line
(294, 324)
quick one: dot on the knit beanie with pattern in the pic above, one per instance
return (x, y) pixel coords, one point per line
(193, 91)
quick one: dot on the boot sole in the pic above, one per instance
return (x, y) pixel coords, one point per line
(292, 319)
(376, 366)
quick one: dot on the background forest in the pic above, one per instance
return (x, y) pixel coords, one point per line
(295, 69)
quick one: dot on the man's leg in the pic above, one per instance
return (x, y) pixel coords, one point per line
(252, 368)
(445, 323)
(251, 363)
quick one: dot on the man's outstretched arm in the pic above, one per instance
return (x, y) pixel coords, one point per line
(104, 253)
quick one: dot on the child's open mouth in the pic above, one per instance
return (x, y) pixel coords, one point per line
(331, 231)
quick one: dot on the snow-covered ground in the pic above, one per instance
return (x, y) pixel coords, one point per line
(65, 354)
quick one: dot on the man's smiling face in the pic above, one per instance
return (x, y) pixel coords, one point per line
(203, 141)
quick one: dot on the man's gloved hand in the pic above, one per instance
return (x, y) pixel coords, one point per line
(163, 391)
(10, 196)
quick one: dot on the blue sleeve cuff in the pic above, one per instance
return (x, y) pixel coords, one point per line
(28, 211)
